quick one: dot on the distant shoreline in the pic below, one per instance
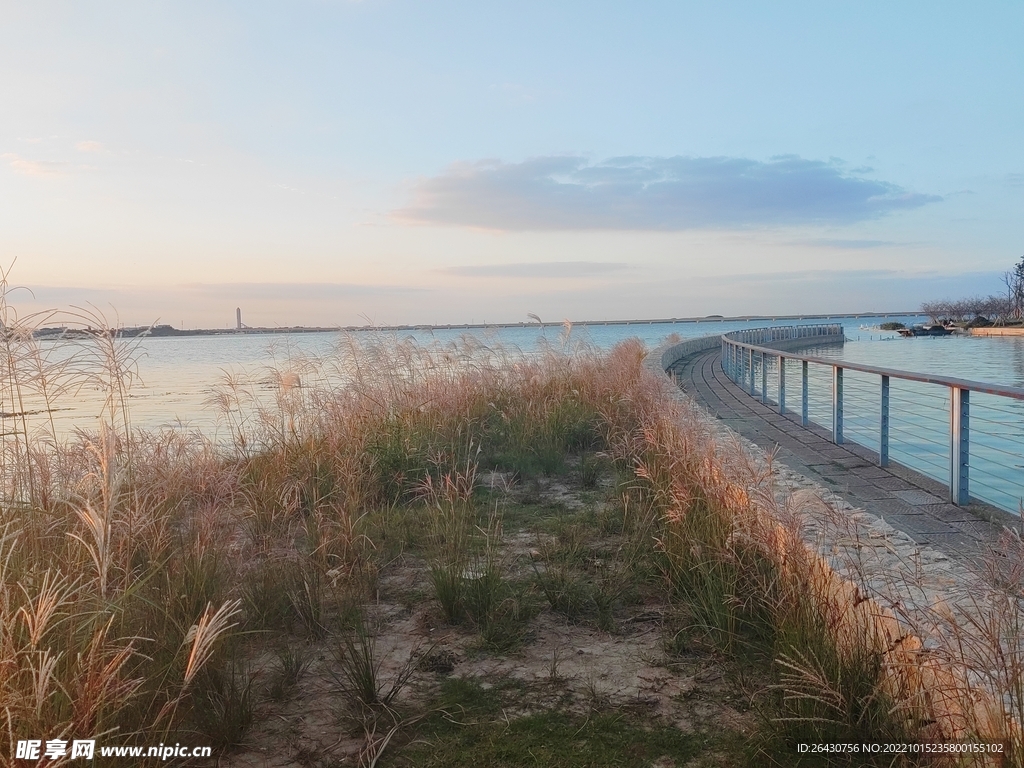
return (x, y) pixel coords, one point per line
(659, 321)
(168, 331)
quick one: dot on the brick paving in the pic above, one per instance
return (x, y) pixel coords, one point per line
(905, 499)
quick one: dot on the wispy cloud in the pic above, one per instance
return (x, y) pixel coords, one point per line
(226, 293)
(652, 193)
(834, 276)
(541, 269)
(213, 304)
(89, 146)
(847, 244)
(37, 168)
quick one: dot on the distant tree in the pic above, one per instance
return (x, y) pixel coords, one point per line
(933, 309)
(996, 308)
(1014, 281)
(965, 310)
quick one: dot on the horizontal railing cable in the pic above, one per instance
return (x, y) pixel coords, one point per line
(949, 428)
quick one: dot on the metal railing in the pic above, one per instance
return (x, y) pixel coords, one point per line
(967, 434)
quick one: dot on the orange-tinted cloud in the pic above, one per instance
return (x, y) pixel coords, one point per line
(37, 168)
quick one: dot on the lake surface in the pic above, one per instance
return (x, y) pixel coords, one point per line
(178, 376)
(178, 379)
(919, 413)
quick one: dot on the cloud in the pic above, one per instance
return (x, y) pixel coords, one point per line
(833, 276)
(89, 146)
(852, 244)
(37, 168)
(542, 269)
(299, 292)
(652, 193)
(213, 305)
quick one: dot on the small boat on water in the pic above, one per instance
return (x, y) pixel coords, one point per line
(925, 330)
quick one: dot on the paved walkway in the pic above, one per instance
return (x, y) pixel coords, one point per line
(905, 499)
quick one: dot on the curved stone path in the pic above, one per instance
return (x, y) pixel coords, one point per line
(905, 499)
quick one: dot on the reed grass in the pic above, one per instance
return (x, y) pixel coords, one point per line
(366, 690)
(293, 662)
(137, 569)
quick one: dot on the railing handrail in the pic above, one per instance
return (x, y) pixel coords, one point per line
(742, 360)
(1017, 393)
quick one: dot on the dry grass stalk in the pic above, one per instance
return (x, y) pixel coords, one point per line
(162, 521)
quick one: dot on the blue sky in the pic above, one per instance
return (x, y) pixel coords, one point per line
(332, 162)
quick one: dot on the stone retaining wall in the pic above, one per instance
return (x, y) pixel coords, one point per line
(996, 331)
(671, 353)
(906, 601)
(807, 341)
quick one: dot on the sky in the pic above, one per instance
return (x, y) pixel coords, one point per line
(386, 161)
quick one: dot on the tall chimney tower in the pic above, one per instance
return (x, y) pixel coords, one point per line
(238, 318)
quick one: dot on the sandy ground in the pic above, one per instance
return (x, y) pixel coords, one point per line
(562, 665)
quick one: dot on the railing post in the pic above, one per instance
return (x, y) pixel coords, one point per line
(803, 395)
(837, 405)
(750, 356)
(764, 378)
(883, 425)
(959, 445)
(782, 384)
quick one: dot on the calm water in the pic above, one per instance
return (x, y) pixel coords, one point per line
(919, 413)
(179, 377)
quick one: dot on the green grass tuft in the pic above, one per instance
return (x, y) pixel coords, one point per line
(469, 730)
